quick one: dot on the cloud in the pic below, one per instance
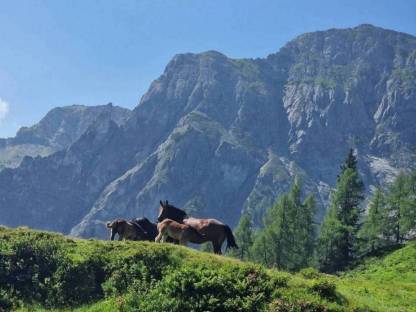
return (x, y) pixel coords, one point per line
(4, 109)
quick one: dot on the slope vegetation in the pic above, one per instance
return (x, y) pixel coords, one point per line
(42, 271)
(386, 283)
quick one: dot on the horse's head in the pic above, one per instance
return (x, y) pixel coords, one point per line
(114, 227)
(167, 211)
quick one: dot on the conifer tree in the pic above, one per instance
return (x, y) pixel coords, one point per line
(309, 230)
(409, 211)
(338, 236)
(289, 235)
(244, 237)
(399, 211)
(372, 233)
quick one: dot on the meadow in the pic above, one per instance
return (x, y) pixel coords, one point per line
(42, 271)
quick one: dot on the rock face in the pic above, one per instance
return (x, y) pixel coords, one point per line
(60, 128)
(216, 135)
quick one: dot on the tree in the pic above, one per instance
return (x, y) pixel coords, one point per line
(244, 237)
(287, 241)
(401, 207)
(372, 233)
(309, 230)
(409, 210)
(337, 242)
(349, 163)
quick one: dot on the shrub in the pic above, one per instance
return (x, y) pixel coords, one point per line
(28, 266)
(77, 283)
(324, 288)
(296, 306)
(310, 273)
(207, 289)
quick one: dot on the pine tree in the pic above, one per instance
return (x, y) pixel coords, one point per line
(372, 234)
(337, 241)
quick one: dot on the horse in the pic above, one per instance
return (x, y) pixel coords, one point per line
(140, 229)
(215, 231)
(181, 232)
(126, 230)
(149, 229)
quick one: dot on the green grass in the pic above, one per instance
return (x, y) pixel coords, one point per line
(45, 271)
(386, 283)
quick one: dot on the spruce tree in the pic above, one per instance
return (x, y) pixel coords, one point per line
(349, 163)
(337, 242)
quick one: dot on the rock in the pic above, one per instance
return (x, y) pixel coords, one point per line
(217, 136)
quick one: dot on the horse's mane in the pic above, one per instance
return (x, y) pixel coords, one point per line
(145, 220)
(180, 212)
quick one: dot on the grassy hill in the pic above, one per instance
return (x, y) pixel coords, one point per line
(40, 270)
(386, 283)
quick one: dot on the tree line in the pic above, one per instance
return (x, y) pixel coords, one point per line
(291, 239)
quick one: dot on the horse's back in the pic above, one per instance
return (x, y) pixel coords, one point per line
(191, 221)
(209, 227)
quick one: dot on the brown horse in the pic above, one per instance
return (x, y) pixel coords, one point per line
(126, 230)
(213, 230)
(181, 232)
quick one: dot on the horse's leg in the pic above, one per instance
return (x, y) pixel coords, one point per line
(158, 237)
(217, 247)
(113, 233)
(164, 238)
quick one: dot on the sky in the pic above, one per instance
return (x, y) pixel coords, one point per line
(57, 53)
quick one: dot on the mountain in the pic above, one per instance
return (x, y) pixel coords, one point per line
(217, 136)
(60, 128)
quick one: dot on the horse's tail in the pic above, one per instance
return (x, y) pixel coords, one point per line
(231, 243)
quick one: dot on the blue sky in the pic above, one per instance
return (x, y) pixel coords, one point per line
(56, 53)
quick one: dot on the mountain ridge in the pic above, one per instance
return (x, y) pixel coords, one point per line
(218, 136)
(57, 130)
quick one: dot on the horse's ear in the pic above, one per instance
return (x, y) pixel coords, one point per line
(161, 203)
(167, 203)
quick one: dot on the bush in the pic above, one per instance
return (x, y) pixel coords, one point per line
(207, 289)
(6, 303)
(28, 266)
(296, 306)
(77, 283)
(310, 273)
(324, 288)
(141, 269)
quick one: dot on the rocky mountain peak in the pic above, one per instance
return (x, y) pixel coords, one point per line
(217, 136)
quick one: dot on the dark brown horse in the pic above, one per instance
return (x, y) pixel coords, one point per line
(125, 230)
(139, 229)
(213, 230)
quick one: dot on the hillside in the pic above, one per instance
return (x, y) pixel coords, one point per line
(387, 283)
(217, 135)
(60, 127)
(44, 270)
